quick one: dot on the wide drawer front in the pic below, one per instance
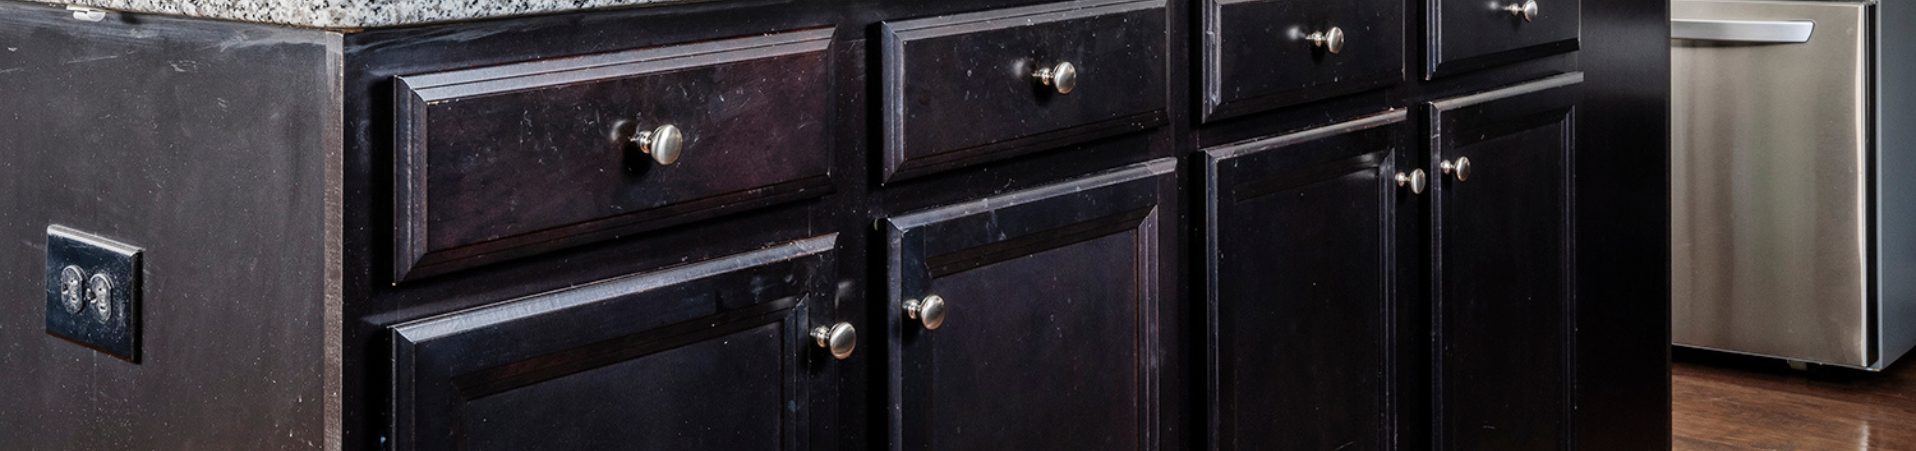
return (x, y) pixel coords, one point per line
(1472, 34)
(708, 355)
(977, 87)
(1264, 54)
(505, 161)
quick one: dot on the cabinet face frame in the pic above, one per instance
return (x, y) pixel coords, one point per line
(443, 363)
(1480, 118)
(1250, 170)
(1062, 215)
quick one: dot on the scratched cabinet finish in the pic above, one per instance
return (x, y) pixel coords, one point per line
(963, 89)
(1503, 267)
(1466, 35)
(709, 355)
(1302, 241)
(504, 161)
(1047, 332)
(1264, 54)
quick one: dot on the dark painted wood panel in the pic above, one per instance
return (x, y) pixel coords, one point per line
(1053, 298)
(1466, 35)
(1256, 55)
(1504, 267)
(504, 161)
(959, 90)
(708, 355)
(1302, 238)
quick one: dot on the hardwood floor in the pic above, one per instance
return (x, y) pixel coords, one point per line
(1731, 402)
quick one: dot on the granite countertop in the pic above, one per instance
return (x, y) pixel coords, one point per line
(348, 14)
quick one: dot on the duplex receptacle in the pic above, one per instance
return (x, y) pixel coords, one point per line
(93, 291)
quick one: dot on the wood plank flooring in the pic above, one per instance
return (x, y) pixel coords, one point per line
(1735, 403)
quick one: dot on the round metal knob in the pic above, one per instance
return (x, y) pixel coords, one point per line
(930, 311)
(1460, 169)
(1063, 77)
(1331, 40)
(1527, 10)
(1416, 179)
(663, 143)
(840, 338)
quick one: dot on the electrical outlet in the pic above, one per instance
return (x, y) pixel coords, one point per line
(93, 291)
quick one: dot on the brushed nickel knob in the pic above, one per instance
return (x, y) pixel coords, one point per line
(663, 143)
(1527, 10)
(840, 338)
(1063, 77)
(1416, 179)
(1331, 40)
(930, 311)
(1460, 169)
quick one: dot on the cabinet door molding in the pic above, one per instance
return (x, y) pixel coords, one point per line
(1052, 295)
(708, 355)
(1503, 278)
(1302, 239)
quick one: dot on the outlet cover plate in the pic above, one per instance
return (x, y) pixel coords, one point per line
(93, 291)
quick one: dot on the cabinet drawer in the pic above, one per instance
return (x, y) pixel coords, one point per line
(499, 162)
(965, 89)
(1263, 54)
(1472, 34)
(1016, 297)
(709, 355)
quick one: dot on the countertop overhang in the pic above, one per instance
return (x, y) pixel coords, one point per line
(349, 14)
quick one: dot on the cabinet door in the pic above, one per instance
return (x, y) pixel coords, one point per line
(1050, 301)
(1302, 239)
(709, 355)
(1503, 294)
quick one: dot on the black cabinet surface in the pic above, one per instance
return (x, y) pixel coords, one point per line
(708, 355)
(1048, 328)
(1472, 34)
(1215, 234)
(1263, 54)
(1303, 249)
(1504, 288)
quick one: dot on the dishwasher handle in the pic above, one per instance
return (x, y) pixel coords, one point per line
(1759, 31)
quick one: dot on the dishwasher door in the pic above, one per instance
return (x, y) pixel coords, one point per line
(1770, 134)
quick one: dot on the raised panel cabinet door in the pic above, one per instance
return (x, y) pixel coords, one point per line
(716, 354)
(1503, 266)
(1027, 320)
(1301, 244)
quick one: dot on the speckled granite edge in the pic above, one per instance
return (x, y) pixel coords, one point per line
(349, 14)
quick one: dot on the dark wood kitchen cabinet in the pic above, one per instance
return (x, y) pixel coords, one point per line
(1302, 246)
(716, 354)
(1504, 290)
(1028, 320)
(1062, 225)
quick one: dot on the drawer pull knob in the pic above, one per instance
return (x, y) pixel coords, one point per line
(1460, 169)
(1527, 10)
(840, 338)
(1416, 179)
(1063, 77)
(662, 143)
(1331, 40)
(930, 311)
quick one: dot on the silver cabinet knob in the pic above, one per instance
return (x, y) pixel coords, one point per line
(1331, 40)
(930, 311)
(840, 338)
(1416, 179)
(1527, 10)
(663, 143)
(1063, 77)
(1460, 169)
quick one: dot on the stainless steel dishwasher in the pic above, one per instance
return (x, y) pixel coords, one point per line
(1791, 180)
